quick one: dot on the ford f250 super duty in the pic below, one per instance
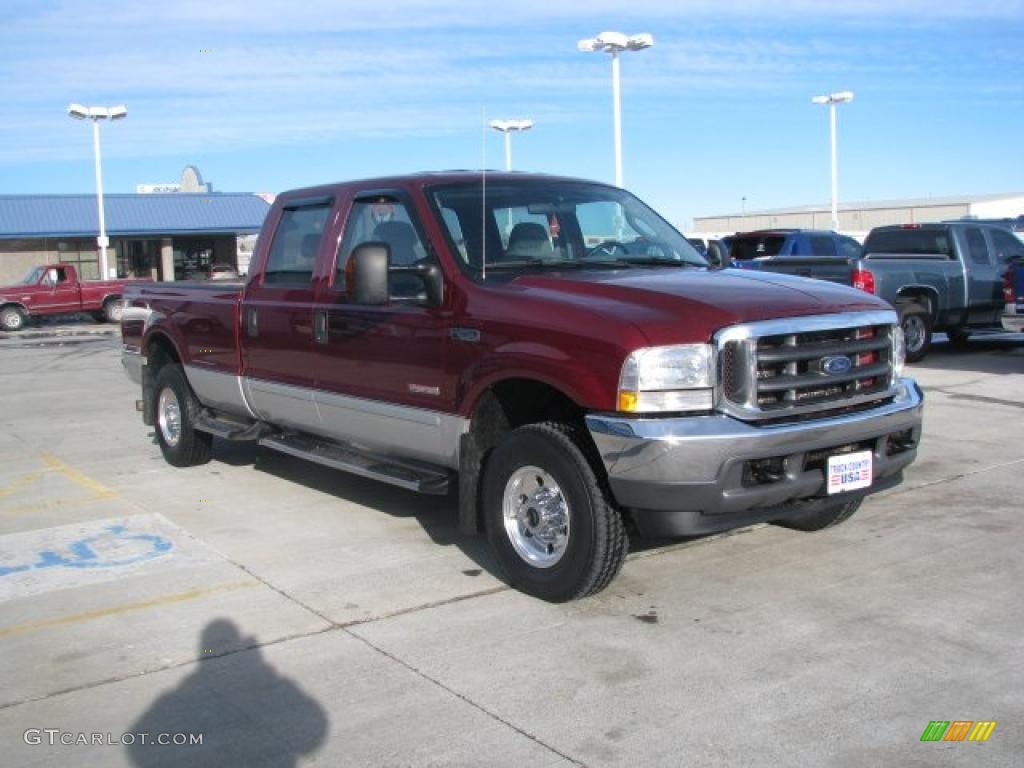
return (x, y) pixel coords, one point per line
(54, 289)
(552, 348)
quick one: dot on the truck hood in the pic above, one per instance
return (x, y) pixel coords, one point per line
(680, 304)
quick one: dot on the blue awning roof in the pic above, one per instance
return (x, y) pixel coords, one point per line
(179, 213)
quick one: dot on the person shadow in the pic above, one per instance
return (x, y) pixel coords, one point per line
(244, 712)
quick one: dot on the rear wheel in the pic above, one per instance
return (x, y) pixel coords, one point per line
(917, 331)
(831, 515)
(12, 319)
(112, 310)
(176, 411)
(550, 519)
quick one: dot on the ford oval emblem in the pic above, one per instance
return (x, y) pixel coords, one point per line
(836, 365)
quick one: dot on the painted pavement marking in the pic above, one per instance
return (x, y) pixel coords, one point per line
(34, 562)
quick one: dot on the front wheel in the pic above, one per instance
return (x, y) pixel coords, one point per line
(12, 319)
(550, 520)
(831, 515)
(917, 331)
(176, 412)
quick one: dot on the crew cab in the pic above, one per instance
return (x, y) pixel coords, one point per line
(550, 347)
(54, 289)
(940, 277)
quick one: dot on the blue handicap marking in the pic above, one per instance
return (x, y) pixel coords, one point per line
(84, 554)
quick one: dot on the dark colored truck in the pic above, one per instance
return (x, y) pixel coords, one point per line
(550, 347)
(54, 289)
(940, 277)
(750, 250)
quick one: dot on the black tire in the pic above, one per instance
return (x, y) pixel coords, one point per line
(823, 518)
(959, 337)
(112, 310)
(595, 539)
(181, 444)
(916, 323)
(12, 319)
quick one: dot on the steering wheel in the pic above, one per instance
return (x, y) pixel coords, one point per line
(608, 247)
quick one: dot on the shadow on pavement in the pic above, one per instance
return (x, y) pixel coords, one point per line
(983, 353)
(247, 713)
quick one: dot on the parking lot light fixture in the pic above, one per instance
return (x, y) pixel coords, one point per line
(95, 114)
(508, 127)
(614, 43)
(842, 97)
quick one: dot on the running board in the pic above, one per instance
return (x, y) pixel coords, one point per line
(228, 429)
(412, 477)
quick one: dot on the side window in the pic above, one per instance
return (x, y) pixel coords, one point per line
(382, 220)
(850, 248)
(822, 245)
(1006, 246)
(62, 275)
(976, 248)
(295, 245)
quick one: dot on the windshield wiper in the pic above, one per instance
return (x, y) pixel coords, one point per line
(647, 261)
(536, 263)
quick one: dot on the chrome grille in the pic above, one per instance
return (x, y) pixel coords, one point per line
(782, 368)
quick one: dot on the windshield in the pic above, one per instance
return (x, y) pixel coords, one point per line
(33, 276)
(537, 223)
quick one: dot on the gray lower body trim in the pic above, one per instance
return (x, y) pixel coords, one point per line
(378, 427)
(132, 360)
(218, 390)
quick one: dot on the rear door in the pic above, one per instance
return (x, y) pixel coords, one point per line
(984, 278)
(381, 375)
(277, 317)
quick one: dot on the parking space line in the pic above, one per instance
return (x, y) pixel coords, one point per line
(98, 489)
(180, 597)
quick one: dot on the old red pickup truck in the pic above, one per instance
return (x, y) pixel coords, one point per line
(552, 347)
(54, 289)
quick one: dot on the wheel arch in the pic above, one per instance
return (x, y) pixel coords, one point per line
(504, 405)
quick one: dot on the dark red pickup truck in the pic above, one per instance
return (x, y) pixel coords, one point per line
(54, 289)
(552, 346)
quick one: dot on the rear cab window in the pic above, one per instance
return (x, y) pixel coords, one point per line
(913, 241)
(296, 243)
(746, 248)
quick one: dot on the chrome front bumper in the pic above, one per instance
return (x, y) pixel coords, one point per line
(690, 475)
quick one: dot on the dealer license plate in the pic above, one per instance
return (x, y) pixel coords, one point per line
(849, 472)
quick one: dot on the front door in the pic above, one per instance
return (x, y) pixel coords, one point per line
(984, 280)
(57, 292)
(277, 319)
(382, 380)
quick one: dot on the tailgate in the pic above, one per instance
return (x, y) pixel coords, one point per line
(835, 270)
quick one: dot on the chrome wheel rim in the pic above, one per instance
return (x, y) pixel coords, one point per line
(169, 417)
(115, 312)
(11, 321)
(536, 517)
(913, 332)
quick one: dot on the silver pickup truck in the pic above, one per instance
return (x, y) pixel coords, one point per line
(940, 277)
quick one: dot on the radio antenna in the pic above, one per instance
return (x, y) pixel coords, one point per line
(483, 193)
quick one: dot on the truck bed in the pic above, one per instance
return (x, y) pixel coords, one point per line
(206, 319)
(834, 269)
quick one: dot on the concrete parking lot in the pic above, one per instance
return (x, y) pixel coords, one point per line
(290, 615)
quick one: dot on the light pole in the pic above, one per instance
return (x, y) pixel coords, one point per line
(832, 99)
(79, 112)
(507, 127)
(614, 43)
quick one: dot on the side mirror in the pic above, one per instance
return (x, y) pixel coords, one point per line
(369, 274)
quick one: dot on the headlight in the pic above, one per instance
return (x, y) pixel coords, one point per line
(666, 379)
(899, 352)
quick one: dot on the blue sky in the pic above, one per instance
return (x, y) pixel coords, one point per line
(266, 96)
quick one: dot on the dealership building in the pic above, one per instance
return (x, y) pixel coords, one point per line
(857, 219)
(173, 234)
